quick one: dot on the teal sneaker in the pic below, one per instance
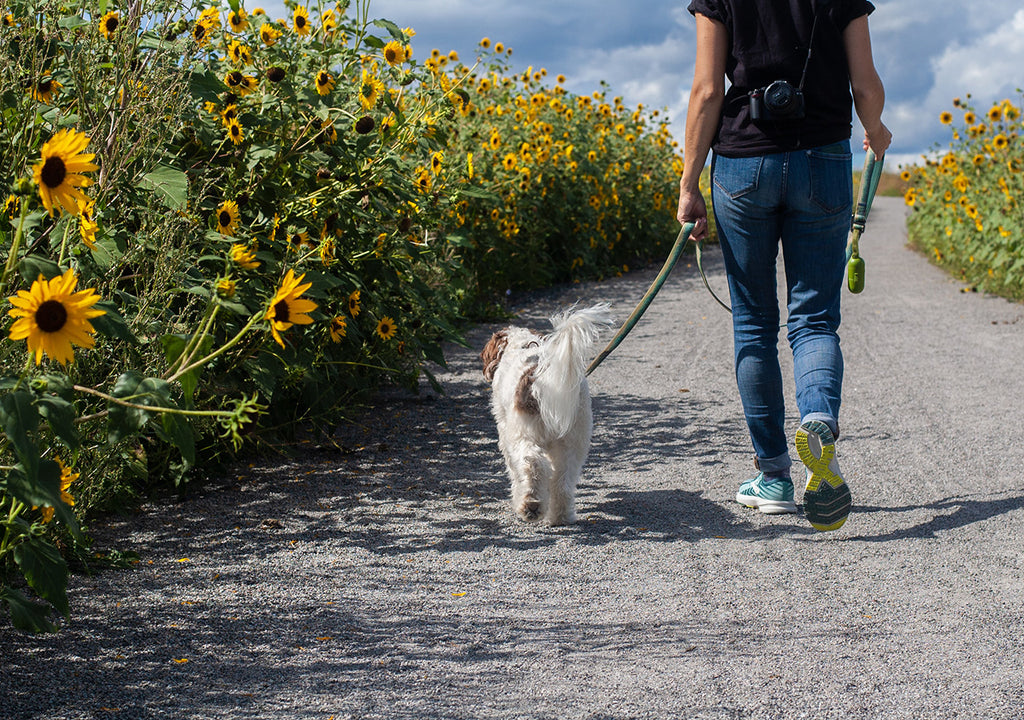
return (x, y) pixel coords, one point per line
(770, 496)
(826, 497)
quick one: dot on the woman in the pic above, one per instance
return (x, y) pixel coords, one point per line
(781, 172)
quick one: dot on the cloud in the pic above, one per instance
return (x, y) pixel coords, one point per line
(927, 51)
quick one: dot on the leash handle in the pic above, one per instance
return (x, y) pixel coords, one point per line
(869, 180)
(677, 249)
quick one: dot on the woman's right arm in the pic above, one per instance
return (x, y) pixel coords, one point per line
(868, 91)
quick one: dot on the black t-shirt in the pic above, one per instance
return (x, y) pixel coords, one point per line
(768, 41)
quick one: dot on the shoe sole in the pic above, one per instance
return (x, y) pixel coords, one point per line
(827, 498)
(768, 507)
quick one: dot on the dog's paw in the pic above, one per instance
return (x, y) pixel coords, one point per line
(568, 518)
(529, 509)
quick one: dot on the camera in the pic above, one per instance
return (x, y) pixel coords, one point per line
(780, 100)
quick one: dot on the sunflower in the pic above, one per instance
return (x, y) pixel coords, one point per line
(269, 34)
(327, 134)
(240, 83)
(999, 142)
(300, 21)
(386, 328)
(237, 20)
(8, 20)
(45, 90)
(11, 204)
(243, 257)
(234, 129)
(946, 118)
(202, 30)
(394, 53)
(287, 308)
(229, 113)
(87, 226)
(970, 117)
(53, 317)
(240, 54)
(423, 181)
(436, 161)
(227, 217)
(226, 288)
(510, 161)
(339, 326)
(108, 24)
(66, 478)
(59, 173)
(499, 48)
(324, 82)
(995, 114)
(369, 90)
(353, 303)
(328, 22)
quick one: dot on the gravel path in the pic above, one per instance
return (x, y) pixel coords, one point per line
(387, 578)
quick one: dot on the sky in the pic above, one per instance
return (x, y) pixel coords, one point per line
(926, 51)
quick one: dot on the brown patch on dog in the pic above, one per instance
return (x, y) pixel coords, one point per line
(526, 402)
(490, 356)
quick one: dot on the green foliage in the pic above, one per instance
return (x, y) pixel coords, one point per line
(966, 211)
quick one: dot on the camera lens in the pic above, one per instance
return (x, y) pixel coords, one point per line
(780, 97)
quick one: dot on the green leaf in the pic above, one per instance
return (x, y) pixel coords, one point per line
(60, 414)
(373, 41)
(70, 22)
(396, 32)
(179, 432)
(45, 570)
(170, 184)
(32, 266)
(122, 421)
(20, 418)
(112, 324)
(205, 86)
(25, 614)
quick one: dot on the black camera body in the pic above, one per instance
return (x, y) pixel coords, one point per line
(778, 101)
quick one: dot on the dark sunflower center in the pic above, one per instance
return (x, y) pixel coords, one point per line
(54, 171)
(51, 316)
(224, 219)
(300, 22)
(234, 78)
(45, 86)
(236, 130)
(281, 311)
(200, 32)
(111, 24)
(275, 74)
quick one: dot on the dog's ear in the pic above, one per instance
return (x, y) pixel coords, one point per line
(490, 356)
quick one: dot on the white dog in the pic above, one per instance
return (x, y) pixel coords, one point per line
(541, 402)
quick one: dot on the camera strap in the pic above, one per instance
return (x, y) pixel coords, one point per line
(810, 50)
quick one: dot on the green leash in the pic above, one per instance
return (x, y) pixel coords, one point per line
(677, 249)
(855, 264)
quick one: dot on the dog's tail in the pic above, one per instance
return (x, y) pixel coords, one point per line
(563, 363)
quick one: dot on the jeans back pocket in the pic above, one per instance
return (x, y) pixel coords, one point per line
(736, 177)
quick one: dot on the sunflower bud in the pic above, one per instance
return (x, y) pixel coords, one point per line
(323, 174)
(23, 187)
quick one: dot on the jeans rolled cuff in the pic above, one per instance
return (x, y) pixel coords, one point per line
(832, 423)
(778, 465)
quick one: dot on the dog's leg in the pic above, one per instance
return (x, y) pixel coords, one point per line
(530, 470)
(567, 462)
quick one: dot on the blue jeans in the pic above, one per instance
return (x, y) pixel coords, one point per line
(803, 199)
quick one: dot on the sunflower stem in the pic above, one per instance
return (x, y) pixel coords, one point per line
(63, 243)
(220, 351)
(12, 258)
(195, 340)
(151, 408)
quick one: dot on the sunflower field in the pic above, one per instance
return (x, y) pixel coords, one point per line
(220, 227)
(966, 212)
